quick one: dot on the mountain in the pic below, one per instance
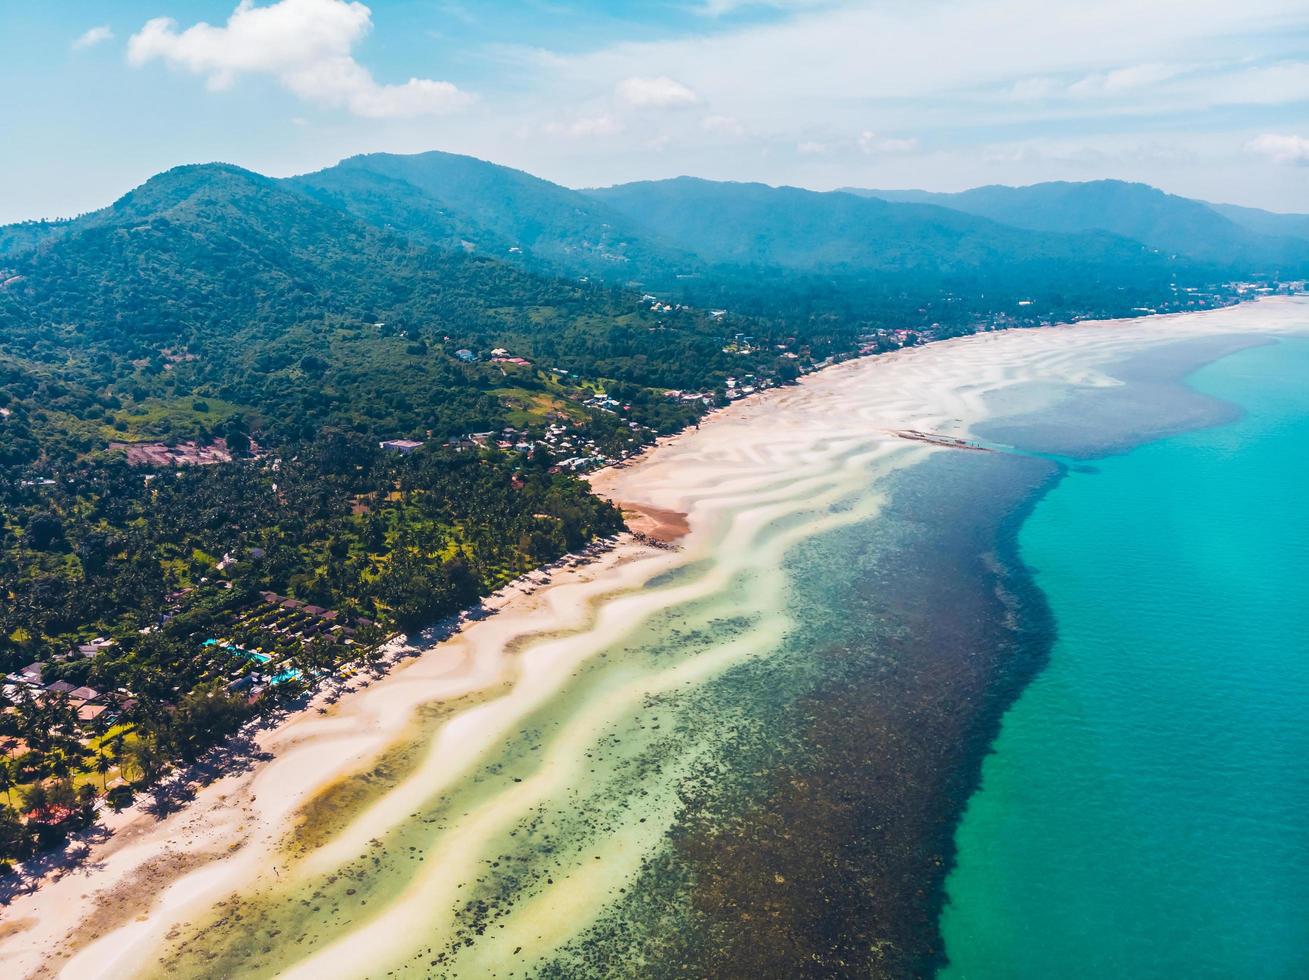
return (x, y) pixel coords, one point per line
(721, 243)
(1177, 226)
(339, 298)
(445, 198)
(754, 225)
(1265, 222)
(773, 251)
(215, 282)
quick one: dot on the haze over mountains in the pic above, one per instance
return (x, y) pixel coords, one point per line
(1226, 237)
(702, 237)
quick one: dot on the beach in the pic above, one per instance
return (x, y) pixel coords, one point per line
(552, 720)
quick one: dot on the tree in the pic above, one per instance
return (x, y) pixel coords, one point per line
(146, 757)
(44, 530)
(102, 765)
(58, 764)
(61, 793)
(119, 797)
(36, 797)
(15, 840)
(8, 779)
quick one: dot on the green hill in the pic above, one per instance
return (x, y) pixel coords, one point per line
(444, 198)
(215, 282)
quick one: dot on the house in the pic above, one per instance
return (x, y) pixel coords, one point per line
(61, 687)
(402, 446)
(31, 674)
(499, 352)
(96, 646)
(465, 355)
(90, 712)
(83, 694)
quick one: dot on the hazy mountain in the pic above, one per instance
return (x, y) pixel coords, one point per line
(807, 231)
(1174, 225)
(715, 242)
(1265, 222)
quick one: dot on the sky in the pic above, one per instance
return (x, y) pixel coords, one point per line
(1206, 98)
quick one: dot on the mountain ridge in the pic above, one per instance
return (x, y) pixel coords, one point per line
(1194, 230)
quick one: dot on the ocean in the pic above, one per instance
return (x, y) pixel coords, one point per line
(1030, 712)
(1145, 811)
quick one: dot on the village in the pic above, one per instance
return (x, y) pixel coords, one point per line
(65, 745)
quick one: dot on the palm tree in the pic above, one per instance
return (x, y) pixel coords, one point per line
(147, 760)
(102, 765)
(116, 743)
(59, 765)
(8, 779)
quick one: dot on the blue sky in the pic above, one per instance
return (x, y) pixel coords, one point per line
(1200, 97)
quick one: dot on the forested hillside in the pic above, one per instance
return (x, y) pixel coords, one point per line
(500, 212)
(818, 261)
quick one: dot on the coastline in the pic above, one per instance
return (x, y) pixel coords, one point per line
(229, 831)
(223, 836)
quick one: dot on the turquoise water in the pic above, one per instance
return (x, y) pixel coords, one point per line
(1146, 810)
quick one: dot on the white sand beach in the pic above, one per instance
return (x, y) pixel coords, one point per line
(783, 452)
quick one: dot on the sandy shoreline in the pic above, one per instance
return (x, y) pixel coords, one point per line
(152, 875)
(241, 817)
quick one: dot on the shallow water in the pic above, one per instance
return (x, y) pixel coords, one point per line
(758, 772)
(1146, 810)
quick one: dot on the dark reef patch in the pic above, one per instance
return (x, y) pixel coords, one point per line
(838, 867)
(817, 841)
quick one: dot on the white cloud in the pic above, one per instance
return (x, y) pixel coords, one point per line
(871, 143)
(1282, 148)
(584, 127)
(1122, 81)
(305, 44)
(886, 65)
(811, 148)
(721, 8)
(1114, 83)
(655, 93)
(726, 125)
(89, 39)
